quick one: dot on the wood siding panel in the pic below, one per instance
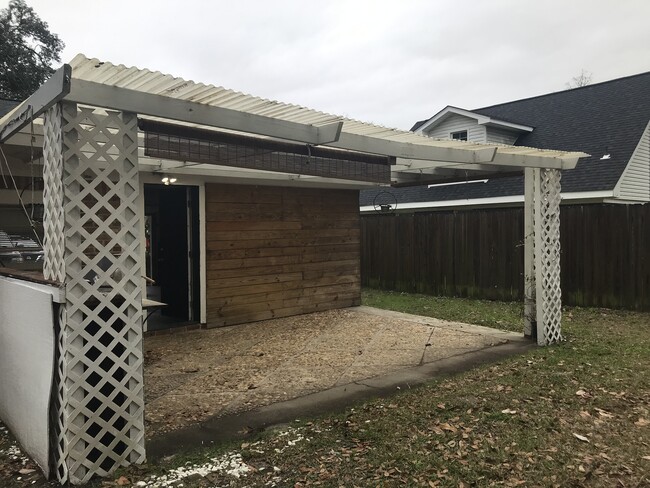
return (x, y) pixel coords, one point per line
(275, 252)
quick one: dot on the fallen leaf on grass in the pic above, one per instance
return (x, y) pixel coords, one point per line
(580, 437)
(647, 458)
(642, 422)
(508, 411)
(604, 413)
(448, 427)
(582, 394)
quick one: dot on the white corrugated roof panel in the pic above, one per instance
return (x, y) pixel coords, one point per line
(157, 83)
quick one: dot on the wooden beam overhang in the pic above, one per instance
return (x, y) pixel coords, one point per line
(143, 103)
(443, 175)
(407, 150)
(49, 93)
(229, 174)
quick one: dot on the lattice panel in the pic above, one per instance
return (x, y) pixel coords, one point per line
(547, 249)
(53, 243)
(100, 385)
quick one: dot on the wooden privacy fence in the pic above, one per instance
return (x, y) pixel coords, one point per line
(479, 254)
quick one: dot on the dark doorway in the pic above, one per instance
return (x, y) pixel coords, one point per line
(172, 257)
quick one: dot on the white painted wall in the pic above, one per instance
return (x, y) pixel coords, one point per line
(27, 363)
(455, 123)
(635, 181)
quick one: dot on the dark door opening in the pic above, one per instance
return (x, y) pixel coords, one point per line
(172, 254)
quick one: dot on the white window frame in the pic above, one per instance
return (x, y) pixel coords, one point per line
(466, 131)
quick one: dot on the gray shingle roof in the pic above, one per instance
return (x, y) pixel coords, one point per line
(606, 117)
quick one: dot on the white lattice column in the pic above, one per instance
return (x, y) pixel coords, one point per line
(92, 245)
(547, 256)
(530, 314)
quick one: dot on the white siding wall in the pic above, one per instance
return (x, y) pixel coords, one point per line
(501, 136)
(635, 181)
(455, 123)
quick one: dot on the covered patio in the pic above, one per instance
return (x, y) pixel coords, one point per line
(106, 130)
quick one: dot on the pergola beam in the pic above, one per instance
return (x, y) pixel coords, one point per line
(442, 176)
(50, 92)
(411, 166)
(523, 159)
(244, 175)
(407, 150)
(143, 103)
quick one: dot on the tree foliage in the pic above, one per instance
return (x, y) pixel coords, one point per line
(27, 51)
(583, 79)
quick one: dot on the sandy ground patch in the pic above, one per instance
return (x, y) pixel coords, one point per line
(194, 375)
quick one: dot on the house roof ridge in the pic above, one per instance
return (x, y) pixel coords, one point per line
(580, 88)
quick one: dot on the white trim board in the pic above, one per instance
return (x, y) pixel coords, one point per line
(514, 200)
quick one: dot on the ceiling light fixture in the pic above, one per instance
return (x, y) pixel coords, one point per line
(168, 180)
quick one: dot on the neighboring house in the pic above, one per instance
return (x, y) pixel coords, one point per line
(609, 121)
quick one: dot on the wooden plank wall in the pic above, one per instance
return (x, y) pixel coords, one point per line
(276, 252)
(479, 254)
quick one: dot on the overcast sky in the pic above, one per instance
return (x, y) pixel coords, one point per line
(387, 62)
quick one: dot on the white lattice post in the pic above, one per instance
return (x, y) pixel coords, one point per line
(92, 246)
(547, 256)
(530, 317)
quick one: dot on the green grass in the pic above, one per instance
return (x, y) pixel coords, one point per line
(510, 423)
(500, 315)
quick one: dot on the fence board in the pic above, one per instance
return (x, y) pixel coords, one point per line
(479, 254)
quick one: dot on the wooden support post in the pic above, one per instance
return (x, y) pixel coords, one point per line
(548, 294)
(530, 318)
(92, 246)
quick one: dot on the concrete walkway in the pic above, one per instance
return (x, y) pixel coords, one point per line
(196, 377)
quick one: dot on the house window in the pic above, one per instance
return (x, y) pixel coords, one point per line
(459, 136)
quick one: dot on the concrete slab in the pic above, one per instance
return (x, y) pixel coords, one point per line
(194, 378)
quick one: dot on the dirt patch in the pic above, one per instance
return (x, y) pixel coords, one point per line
(195, 375)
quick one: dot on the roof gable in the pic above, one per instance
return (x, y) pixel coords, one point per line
(481, 119)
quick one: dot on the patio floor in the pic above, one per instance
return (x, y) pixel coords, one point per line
(195, 375)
